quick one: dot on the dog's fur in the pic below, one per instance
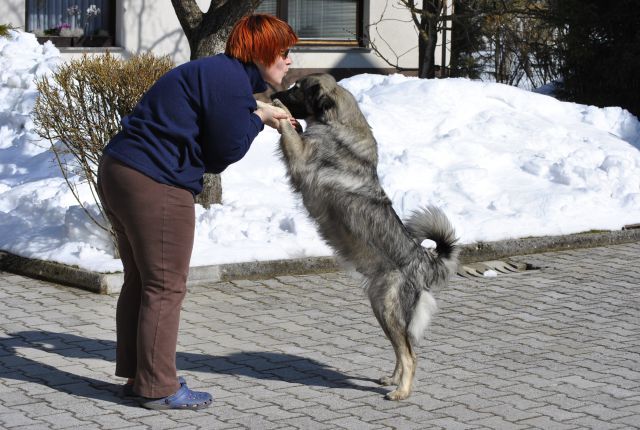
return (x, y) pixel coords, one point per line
(333, 165)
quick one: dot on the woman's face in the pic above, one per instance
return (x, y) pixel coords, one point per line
(274, 74)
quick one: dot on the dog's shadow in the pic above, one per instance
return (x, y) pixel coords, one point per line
(257, 365)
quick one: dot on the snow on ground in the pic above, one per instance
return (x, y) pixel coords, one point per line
(502, 163)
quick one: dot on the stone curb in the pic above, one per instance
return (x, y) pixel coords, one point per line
(109, 283)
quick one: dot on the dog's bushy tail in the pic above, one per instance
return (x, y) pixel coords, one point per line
(431, 223)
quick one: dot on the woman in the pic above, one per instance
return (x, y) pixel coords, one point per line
(199, 117)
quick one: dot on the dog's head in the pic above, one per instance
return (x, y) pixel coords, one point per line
(311, 96)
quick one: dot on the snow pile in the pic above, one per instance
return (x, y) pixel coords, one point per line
(502, 163)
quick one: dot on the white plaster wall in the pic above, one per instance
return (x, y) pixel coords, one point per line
(143, 25)
(151, 25)
(12, 12)
(392, 31)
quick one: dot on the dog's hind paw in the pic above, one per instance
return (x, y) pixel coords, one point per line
(397, 395)
(388, 380)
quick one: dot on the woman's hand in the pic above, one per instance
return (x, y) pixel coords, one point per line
(271, 115)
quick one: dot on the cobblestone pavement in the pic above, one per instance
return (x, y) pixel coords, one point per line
(553, 348)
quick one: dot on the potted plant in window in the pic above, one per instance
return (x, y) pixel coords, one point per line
(75, 32)
(99, 37)
(60, 35)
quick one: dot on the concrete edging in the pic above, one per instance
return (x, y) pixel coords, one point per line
(109, 283)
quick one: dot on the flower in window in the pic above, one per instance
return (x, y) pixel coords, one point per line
(73, 10)
(93, 11)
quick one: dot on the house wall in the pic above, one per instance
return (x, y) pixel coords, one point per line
(12, 12)
(151, 25)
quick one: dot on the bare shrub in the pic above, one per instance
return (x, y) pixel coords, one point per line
(81, 105)
(4, 29)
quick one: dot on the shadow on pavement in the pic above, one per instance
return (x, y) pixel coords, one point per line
(258, 365)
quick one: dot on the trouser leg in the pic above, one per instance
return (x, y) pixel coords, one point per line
(127, 312)
(128, 304)
(157, 223)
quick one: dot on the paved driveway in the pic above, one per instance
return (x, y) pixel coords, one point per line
(552, 348)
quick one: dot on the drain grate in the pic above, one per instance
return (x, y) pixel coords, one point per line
(487, 269)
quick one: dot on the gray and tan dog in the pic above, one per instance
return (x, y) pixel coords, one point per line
(333, 165)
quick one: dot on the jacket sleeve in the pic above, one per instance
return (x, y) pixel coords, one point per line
(230, 127)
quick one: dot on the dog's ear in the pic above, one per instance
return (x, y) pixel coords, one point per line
(321, 101)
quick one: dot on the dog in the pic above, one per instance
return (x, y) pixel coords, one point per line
(333, 165)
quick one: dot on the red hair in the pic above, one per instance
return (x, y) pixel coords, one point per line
(260, 37)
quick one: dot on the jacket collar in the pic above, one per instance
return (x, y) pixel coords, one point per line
(257, 83)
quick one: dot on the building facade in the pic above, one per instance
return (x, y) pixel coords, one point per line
(344, 37)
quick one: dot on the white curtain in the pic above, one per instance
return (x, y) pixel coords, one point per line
(323, 19)
(318, 19)
(44, 14)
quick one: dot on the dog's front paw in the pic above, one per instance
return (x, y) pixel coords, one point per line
(294, 122)
(278, 103)
(397, 395)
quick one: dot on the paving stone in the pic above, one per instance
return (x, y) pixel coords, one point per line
(555, 348)
(604, 413)
(589, 422)
(35, 410)
(510, 413)
(111, 421)
(547, 423)
(306, 423)
(16, 419)
(556, 413)
(631, 421)
(160, 421)
(447, 423)
(499, 423)
(62, 421)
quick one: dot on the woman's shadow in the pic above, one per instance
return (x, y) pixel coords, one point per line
(258, 365)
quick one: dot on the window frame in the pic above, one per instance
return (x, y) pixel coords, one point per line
(90, 41)
(282, 12)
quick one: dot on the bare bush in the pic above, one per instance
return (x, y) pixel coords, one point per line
(80, 106)
(4, 29)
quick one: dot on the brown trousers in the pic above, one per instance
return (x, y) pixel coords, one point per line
(154, 224)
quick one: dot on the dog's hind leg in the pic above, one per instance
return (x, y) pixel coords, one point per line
(381, 292)
(405, 365)
(386, 307)
(394, 379)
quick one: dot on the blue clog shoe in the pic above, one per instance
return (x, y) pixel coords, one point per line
(184, 398)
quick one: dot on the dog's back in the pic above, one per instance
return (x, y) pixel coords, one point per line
(342, 192)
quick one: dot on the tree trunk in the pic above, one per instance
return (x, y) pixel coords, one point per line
(428, 35)
(207, 35)
(429, 66)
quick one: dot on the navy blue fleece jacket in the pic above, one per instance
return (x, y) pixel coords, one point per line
(197, 118)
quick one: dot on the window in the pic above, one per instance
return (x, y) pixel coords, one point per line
(72, 22)
(327, 22)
